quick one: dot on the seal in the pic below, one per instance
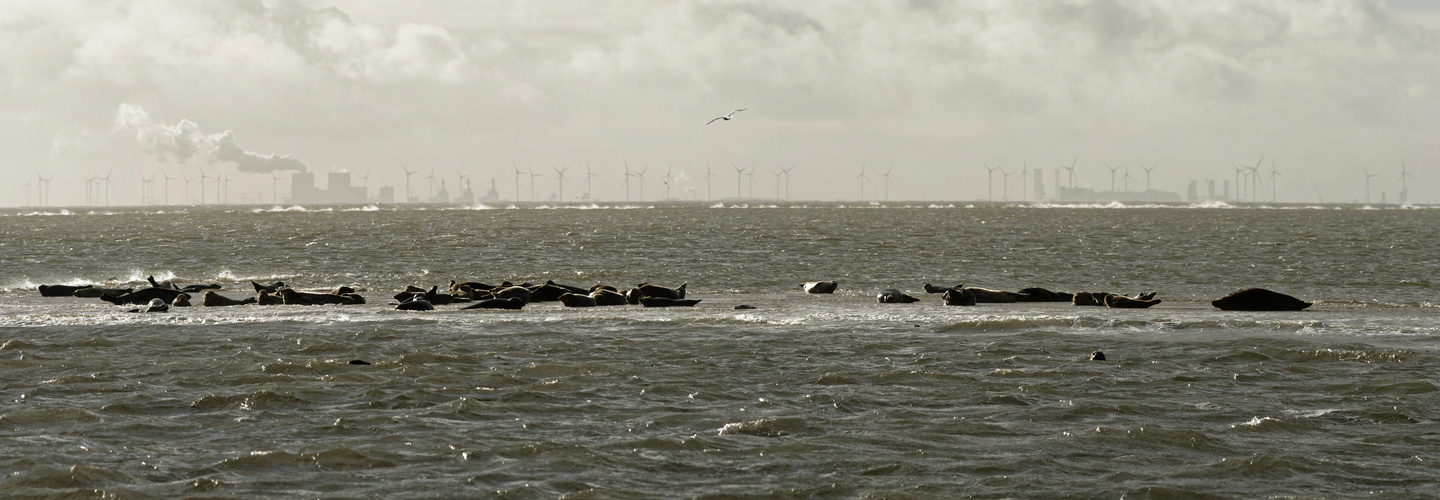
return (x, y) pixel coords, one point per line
(568, 288)
(182, 300)
(216, 300)
(577, 300)
(266, 298)
(744, 306)
(436, 298)
(1037, 294)
(1089, 298)
(212, 299)
(995, 296)
(633, 296)
(91, 292)
(959, 297)
(199, 288)
(416, 303)
(518, 292)
(510, 303)
(142, 296)
(154, 306)
(667, 302)
(1097, 356)
(820, 286)
(893, 296)
(602, 286)
(604, 297)
(161, 284)
(272, 288)
(1123, 302)
(649, 290)
(940, 289)
(292, 297)
(550, 292)
(1259, 299)
(61, 290)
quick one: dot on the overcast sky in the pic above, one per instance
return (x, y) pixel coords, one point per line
(930, 88)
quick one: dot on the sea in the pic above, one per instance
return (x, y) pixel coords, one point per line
(803, 396)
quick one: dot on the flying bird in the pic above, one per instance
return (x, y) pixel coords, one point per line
(726, 117)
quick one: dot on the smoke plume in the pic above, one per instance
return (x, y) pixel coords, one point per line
(184, 142)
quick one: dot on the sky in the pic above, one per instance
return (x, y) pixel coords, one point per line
(930, 92)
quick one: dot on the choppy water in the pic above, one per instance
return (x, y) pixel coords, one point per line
(805, 396)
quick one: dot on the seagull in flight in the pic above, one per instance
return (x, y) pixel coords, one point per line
(726, 117)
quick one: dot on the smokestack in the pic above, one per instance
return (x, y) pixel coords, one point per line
(183, 142)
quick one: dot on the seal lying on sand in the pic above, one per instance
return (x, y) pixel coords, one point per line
(604, 297)
(182, 300)
(91, 292)
(577, 300)
(1037, 294)
(1259, 299)
(416, 303)
(272, 288)
(161, 284)
(265, 298)
(820, 286)
(292, 297)
(154, 306)
(649, 290)
(212, 299)
(61, 290)
(142, 296)
(893, 296)
(198, 288)
(940, 289)
(667, 302)
(959, 297)
(1123, 302)
(995, 296)
(510, 303)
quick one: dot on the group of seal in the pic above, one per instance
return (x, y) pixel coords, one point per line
(169, 295)
(509, 295)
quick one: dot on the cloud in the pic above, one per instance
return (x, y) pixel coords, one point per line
(184, 142)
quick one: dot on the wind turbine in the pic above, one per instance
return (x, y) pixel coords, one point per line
(408, 173)
(886, 175)
(168, 178)
(1112, 175)
(88, 190)
(708, 175)
(640, 176)
(787, 180)
(202, 184)
(431, 178)
(1126, 178)
(1404, 188)
(1273, 175)
(518, 173)
(739, 176)
(1071, 168)
(146, 188)
(221, 180)
(862, 178)
(1005, 184)
(778, 173)
(1368, 175)
(1024, 179)
(275, 187)
(27, 191)
(45, 185)
(751, 175)
(533, 175)
(628, 174)
(1238, 170)
(106, 178)
(990, 180)
(1147, 174)
(588, 176)
(188, 180)
(560, 182)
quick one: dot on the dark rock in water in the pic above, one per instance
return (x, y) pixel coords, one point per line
(1097, 356)
(1259, 299)
(359, 362)
(744, 306)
